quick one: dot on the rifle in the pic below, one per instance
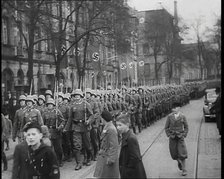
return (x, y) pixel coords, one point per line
(56, 102)
(31, 86)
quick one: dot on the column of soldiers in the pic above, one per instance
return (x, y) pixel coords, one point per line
(74, 119)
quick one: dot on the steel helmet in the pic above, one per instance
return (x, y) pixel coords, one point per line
(22, 97)
(50, 101)
(48, 92)
(88, 90)
(30, 98)
(77, 91)
(41, 97)
(35, 97)
(61, 94)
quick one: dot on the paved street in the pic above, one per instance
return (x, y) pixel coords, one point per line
(157, 160)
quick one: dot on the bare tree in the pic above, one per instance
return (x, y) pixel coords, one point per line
(27, 15)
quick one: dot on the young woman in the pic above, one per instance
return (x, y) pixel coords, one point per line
(107, 162)
(176, 129)
(40, 161)
(130, 160)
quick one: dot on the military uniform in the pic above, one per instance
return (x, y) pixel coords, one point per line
(94, 131)
(66, 142)
(55, 122)
(80, 114)
(138, 113)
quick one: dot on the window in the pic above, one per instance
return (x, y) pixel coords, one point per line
(26, 33)
(5, 31)
(49, 45)
(37, 37)
(145, 48)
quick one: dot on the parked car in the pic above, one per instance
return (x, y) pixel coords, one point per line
(210, 97)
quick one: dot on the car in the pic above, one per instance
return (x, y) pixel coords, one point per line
(210, 97)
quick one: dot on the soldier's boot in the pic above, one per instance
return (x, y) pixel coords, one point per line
(89, 155)
(69, 157)
(139, 128)
(5, 162)
(78, 160)
(65, 157)
(134, 130)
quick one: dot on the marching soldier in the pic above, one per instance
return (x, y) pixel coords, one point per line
(90, 98)
(80, 116)
(48, 94)
(142, 94)
(66, 145)
(17, 125)
(132, 106)
(31, 114)
(55, 122)
(138, 113)
(41, 104)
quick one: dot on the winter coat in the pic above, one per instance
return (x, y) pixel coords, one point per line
(176, 127)
(107, 162)
(130, 160)
(19, 170)
(43, 163)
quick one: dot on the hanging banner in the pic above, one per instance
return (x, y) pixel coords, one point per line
(78, 51)
(141, 63)
(95, 56)
(123, 66)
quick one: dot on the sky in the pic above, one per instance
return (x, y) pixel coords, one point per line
(188, 11)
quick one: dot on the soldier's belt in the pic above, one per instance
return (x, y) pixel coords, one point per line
(78, 121)
(52, 127)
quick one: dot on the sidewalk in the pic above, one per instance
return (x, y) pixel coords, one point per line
(209, 158)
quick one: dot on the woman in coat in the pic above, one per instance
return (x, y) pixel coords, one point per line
(130, 160)
(176, 129)
(107, 162)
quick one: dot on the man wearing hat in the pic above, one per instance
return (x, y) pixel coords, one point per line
(55, 122)
(13, 108)
(80, 117)
(18, 119)
(34, 159)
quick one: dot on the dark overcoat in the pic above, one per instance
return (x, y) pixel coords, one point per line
(19, 170)
(130, 160)
(107, 162)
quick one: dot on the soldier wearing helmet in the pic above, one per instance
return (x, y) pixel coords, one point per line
(41, 103)
(94, 131)
(66, 145)
(19, 115)
(54, 120)
(48, 94)
(138, 113)
(35, 98)
(80, 117)
(31, 114)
